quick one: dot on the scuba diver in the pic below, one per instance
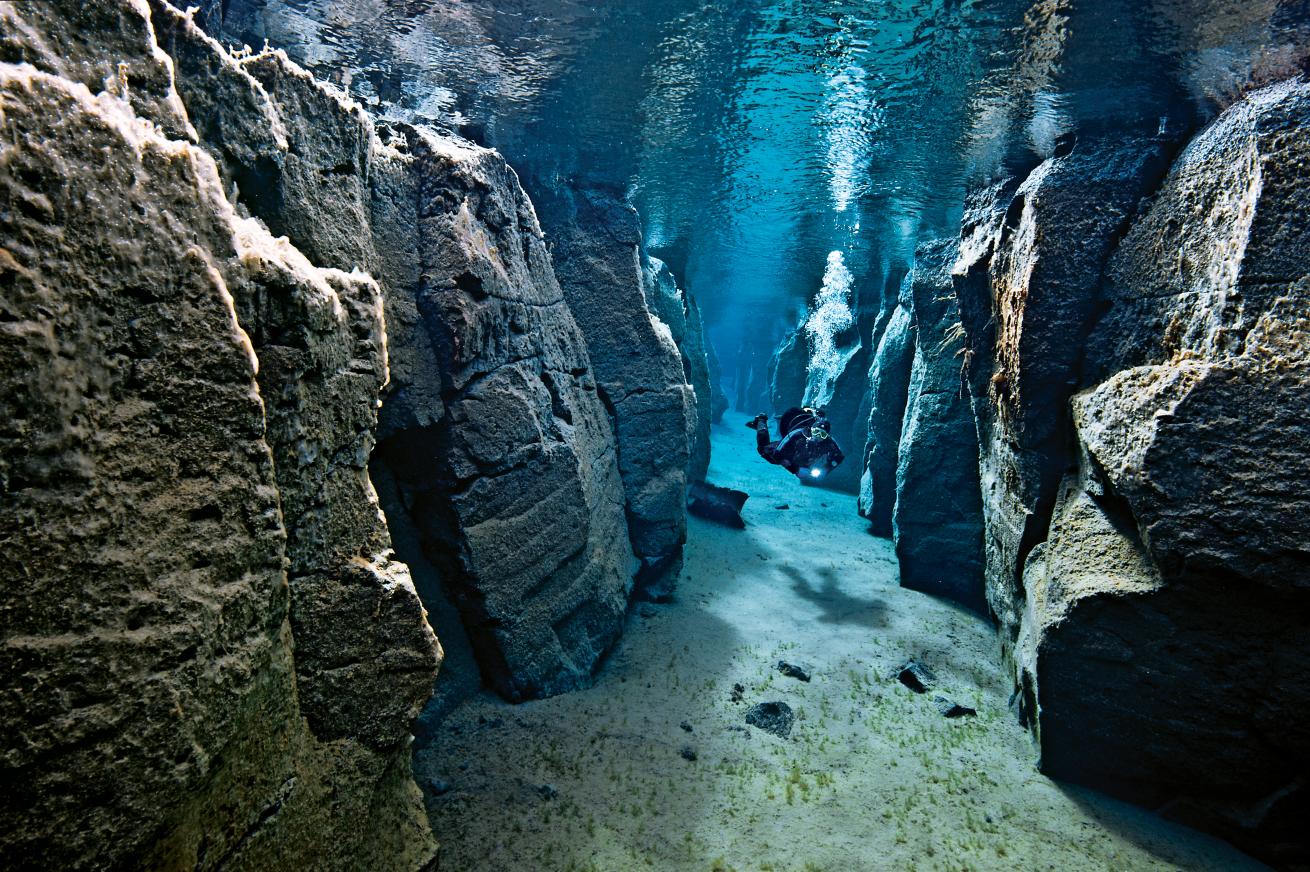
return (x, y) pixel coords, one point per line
(805, 446)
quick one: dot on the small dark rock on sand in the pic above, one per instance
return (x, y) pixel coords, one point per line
(772, 717)
(738, 691)
(721, 505)
(952, 709)
(801, 671)
(915, 676)
(687, 752)
(685, 726)
(784, 507)
(548, 791)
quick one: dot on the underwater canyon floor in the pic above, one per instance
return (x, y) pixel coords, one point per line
(872, 776)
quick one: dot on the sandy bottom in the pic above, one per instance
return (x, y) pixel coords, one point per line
(872, 776)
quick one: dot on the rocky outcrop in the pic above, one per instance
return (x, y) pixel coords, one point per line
(718, 398)
(678, 311)
(493, 444)
(937, 519)
(1027, 285)
(212, 659)
(889, 385)
(639, 374)
(787, 371)
(1166, 618)
(492, 428)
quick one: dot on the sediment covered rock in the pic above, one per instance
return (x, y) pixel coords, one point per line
(189, 405)
(937, 519)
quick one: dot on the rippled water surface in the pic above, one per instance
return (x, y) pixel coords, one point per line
(757, 137)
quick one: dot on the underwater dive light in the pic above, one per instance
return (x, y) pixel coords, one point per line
(815, 472)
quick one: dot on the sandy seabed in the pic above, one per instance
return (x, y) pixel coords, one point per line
(872, 777)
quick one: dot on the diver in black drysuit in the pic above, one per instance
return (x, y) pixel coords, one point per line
(805, 446)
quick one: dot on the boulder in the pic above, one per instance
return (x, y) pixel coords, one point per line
(937, 519)
(772, 717)
(719, 504)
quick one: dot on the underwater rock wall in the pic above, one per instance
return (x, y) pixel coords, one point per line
(937, 517)
(498, 452)
(213, 660)
(596, 238)
(678, 310)
(1140, 378)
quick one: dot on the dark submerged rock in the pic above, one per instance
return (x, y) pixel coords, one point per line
(951, 709)
(916, 676)
(719, 504)
(800, 671)
(772, 717)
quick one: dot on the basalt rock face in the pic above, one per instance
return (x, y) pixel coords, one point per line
(678, 311)
(718, 398)
(492, 426)
(493, 445)
(787, 371)
(889, 385)
(639, 374)
(212, 660)
(937, 519)
(1168, 609)
(1027, 284)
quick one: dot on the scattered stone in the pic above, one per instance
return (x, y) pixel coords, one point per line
(685, 726)
(782, 508)
(772, 717)
(721, 505)
(916, 676)
(738, 691)
(951, 709)
(548, 791)
(687, 752)
(801, 671)
(437, 787)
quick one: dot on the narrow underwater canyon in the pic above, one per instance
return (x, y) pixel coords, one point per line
(365, 393)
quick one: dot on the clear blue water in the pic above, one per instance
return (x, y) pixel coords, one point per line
(757, 136)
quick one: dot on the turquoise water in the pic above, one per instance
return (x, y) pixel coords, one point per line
(757, 137)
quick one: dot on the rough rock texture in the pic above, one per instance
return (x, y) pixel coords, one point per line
(188, 410)
(787, 371)
(678, 311)
(937, 519)
(494, 446)
(889, 385)
(1026, 323)
(492, 429)
(718, 398)
(1165, 646)
(849, 392)
(597, 254)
